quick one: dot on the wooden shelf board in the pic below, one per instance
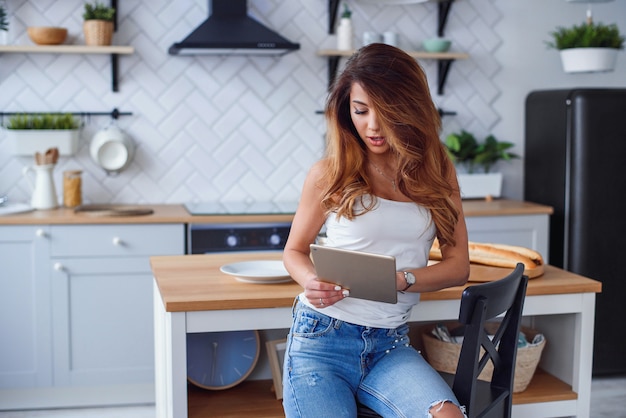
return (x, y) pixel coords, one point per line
(256, 398)
(414, 54)
(544, 388)
(67, 49)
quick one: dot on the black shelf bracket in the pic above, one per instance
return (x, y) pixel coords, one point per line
(333, 6)
(333, 64)
(444, 10)
(443, 67)
(114, 57)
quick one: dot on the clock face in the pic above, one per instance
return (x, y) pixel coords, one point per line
(220, 360)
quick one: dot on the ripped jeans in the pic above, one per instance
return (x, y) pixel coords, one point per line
(329, 364)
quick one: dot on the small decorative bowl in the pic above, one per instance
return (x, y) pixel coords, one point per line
(47, 35)
(436, 45)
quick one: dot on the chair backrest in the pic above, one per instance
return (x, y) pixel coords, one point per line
(479, 304)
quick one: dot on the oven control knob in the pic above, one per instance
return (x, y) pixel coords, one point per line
(274, 239)
(232, 240)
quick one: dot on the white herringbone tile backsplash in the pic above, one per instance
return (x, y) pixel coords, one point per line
(221, 128)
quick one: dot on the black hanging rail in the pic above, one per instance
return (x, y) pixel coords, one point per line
(115, 114)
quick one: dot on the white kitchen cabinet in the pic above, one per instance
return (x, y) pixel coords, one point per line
(25, 352)
(91, 289)
(531, 231)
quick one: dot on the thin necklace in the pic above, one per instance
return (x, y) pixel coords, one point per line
(392, 180)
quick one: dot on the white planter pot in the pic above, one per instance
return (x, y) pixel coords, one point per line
(30, 141)
(588, 60)
(480, 185)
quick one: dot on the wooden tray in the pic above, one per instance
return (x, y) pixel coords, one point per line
(482, 273)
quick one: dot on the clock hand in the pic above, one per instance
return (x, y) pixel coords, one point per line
(214, 361)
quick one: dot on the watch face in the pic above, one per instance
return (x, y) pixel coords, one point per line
(220, 360)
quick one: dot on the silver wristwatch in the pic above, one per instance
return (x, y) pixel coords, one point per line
(410, 279)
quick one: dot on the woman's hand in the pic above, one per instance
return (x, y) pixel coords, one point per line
(323, 294)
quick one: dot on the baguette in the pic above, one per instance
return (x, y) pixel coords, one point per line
(497, 255)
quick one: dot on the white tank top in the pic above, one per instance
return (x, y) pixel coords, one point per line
(402, 229)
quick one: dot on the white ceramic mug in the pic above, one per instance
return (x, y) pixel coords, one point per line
(390, 38)
(371, 38)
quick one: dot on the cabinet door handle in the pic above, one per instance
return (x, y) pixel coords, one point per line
(40, 233)
(58, 267)
(118, 241)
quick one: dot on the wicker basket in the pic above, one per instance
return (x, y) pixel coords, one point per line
(444, 356)
(98, 32)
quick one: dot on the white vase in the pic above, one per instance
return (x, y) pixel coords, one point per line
(344, 34)
(4, 37)
(480, 185)
(588, 60)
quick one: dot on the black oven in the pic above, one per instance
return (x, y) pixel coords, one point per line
(215, 238)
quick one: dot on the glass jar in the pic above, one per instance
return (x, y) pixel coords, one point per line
(72, 188)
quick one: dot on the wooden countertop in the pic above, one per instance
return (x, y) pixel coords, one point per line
(195, 283)
(177, 213)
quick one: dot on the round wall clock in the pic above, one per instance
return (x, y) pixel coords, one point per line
(221, 360)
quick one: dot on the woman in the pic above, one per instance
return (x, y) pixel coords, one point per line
(385, 186)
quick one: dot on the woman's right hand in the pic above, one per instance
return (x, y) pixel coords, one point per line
(322, 294)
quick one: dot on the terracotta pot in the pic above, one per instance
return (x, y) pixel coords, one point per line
(98, 32)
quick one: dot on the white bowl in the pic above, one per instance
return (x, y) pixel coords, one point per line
(111, 149)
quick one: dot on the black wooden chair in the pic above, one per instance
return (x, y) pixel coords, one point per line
(479, 304)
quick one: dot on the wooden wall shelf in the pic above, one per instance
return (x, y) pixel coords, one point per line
(114, 51)
(445, 60)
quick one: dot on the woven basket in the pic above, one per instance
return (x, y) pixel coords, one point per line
(444, 356)
(98, 32)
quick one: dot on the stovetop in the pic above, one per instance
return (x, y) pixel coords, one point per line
(241, 208)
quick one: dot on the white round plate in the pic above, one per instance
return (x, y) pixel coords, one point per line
(260, 272)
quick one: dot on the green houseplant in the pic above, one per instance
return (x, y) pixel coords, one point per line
(476, 161)
(588, 47)
(33, 133)
(98, 24)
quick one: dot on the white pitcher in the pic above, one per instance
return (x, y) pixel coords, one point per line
(44, 193)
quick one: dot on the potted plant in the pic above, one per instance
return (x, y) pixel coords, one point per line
(475, 161)
(4, 24)
(33, 133)
(98, 24)
(588, 47)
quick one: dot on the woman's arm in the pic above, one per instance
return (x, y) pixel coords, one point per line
(305, 227)
(453, 269)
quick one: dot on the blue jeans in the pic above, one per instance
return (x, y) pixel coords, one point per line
(330, 364)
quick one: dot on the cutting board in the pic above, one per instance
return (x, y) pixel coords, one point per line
(481, 273)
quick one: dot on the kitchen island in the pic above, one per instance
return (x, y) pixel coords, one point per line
(191, 295)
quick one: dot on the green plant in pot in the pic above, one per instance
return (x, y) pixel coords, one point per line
(98, 24)
(588, 47)
(4, 23)
(4, 18)
(33, 133)
(478, 159)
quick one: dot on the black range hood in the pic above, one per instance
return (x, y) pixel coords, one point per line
(230, 31)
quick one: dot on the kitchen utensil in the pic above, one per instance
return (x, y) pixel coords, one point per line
(111, 149)
(44, 193)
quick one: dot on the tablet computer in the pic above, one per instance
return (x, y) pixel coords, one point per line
(366, 275)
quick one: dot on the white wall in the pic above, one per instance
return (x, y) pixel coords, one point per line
(527, 65)
(245, 128)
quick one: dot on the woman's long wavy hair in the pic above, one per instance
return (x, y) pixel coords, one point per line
(399, 94)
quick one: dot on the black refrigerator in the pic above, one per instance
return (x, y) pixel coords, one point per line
(575, 161)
